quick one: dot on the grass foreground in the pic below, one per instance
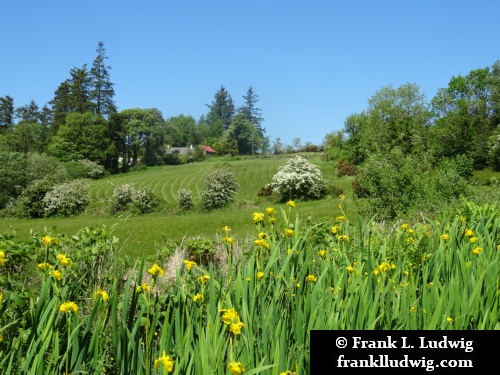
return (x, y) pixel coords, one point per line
(248, 308)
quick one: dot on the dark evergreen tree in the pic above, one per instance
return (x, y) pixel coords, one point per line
(222, 108)
(80, 82)
(60, 106)
(6, 112)
(249, 110)
(28, 113)
(102, 91)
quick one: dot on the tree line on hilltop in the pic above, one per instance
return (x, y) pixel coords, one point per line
(82, 121)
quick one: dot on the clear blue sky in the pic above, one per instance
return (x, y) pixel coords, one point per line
(312, 63)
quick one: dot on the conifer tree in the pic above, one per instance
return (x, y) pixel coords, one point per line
(102, 91)
(221, 109)
(251, 112)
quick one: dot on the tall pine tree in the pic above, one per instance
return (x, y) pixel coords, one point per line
(250, 112)
(102, 91)
(6, 112)
(221, 109)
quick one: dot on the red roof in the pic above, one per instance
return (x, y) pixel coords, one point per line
(208, 149)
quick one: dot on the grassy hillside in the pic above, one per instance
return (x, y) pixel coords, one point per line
(146, 234)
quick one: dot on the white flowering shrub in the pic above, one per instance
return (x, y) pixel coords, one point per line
(92, 169)
(127, 197)
(185, 199)
(299, 179)
(67, 199)
(219, 187)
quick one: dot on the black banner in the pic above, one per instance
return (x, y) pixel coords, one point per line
(391, 352)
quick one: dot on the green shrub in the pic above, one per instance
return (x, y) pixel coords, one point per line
(92, 169)
(201, 250)
(138, 167)
(67, 199)
(299, 179)
(126, 197)
(45, 167)
(31, 202)
(185, 199)
(396, 185)
(75, 170)
(219, 187)
(13, 176)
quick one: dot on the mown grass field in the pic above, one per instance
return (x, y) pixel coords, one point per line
(146, 234)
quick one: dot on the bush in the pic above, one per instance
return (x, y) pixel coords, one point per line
(201, 250)
(219, 187)
(185, 199)
(45, 167)
(92, 169)
(137, 200)
(67, 199)
(266, 191)
(13, 176)
(31, 202)
(75, 170)
(299, 179)
(345, 168)
(137, 167)
(396, 185)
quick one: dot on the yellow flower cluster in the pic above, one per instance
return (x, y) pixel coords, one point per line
(144, 287)
(229, 240)
(477, 250)
(311, 278)
(262, 243)
(343, 238)
(260, 275)
(386, 266)
(48, 240)
(198, 297)
(290, 203)
(289, 232)
(231, 318)
(236, 368)
(189, 264)
(45, 266)
(101, 294)
(64, 260)
(166, 361)
(68, 307)
(56, 275)
(270, 210)
(203, 279)
(2, 259)
(156, 270)
(257, 217)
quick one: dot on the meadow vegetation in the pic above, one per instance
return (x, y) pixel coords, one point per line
(120, 254)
